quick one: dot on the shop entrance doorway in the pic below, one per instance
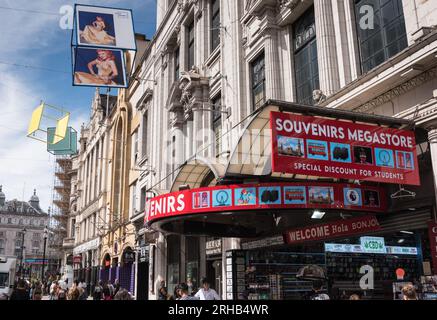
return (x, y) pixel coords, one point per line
(214, 275)
(143, 281)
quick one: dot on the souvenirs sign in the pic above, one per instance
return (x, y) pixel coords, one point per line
(278, 196)
(320, 147)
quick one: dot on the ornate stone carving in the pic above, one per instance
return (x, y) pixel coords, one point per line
(184, 5)
(398, 91)
(145, 99)
(289, 4)
(192, 86)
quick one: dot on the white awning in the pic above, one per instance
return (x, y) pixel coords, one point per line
(195, 170)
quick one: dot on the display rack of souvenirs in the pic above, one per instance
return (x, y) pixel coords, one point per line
(429, 287)
(272, 275)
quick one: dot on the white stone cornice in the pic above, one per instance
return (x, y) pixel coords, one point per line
(432, 136)
(398, 91)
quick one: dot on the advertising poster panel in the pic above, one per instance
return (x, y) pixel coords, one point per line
(321, 147)
(104, 27)
(99, 67)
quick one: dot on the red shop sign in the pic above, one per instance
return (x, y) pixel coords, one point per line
(332, 230)
(337, 149)
(432, 228)
(237, 198)
(77, 259)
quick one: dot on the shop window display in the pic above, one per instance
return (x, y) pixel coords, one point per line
(272, 275)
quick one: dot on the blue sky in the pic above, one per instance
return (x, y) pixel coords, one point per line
(31, 36)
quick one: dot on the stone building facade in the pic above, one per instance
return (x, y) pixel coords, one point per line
(212, 63)
(18, 218)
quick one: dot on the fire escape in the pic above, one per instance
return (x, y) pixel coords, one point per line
(61, 203)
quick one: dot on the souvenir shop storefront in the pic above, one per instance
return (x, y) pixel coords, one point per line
(310, 189)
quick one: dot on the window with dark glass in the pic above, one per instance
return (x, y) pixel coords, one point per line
(192, 257)
(258, 81)
(173, 261)
(217, 123)
(176, 64)
(215, 24)
(305, 57)
(190, 59)
(2, 247)
(73, 228)
(144, 142)
(386, 37)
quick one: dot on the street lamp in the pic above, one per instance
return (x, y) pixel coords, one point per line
(46, 234)
(23, 232)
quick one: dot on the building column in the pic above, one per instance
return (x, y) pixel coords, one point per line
(182, 260)
(202, 260)
(272, 69)
(432, 138)
(326, 47)
(412, 23)
(135, 274)
(352, 40)
(345, 40)
(160, 265)
(190, 139)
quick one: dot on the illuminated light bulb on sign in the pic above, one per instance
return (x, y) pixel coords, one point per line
(400, 273)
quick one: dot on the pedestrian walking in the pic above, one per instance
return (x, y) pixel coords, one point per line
(163, 292)
(98, 291)
(53, 290)
(184, 292)
(37, 291)
(83, 285)
(62, 295)
(20, 292)
(206, 293)
(116, 287)
(111, 289)
(123, 294)
(73, 293)
(107, 294)
(317, 292)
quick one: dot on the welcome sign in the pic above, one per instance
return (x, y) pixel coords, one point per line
(321, 147)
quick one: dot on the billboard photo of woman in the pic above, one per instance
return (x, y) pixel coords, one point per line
(97, 29)
(99, 67)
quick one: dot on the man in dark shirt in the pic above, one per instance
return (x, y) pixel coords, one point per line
(20, 293)
(317, 292)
